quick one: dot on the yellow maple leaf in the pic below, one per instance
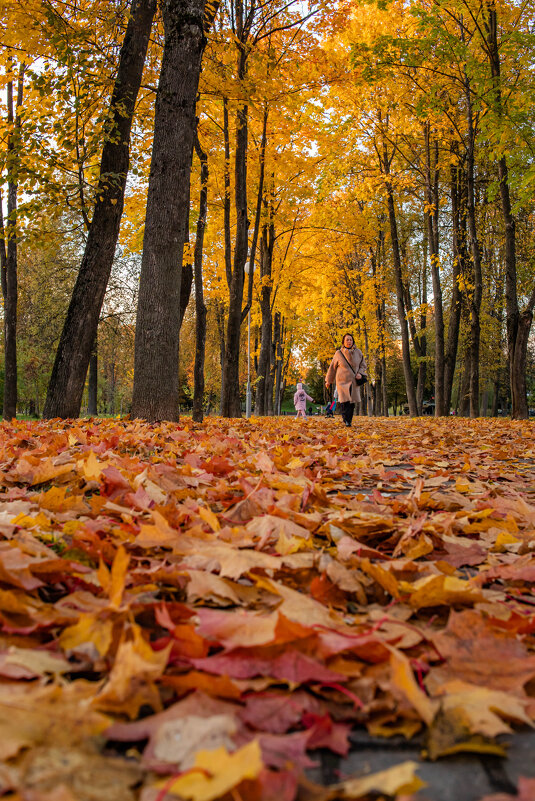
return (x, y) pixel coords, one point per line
(398, 780)
(217, 772)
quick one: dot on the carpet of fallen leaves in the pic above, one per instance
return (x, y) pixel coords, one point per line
(192, 611)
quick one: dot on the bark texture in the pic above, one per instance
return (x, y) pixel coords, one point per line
(156, 387)
(66, 386)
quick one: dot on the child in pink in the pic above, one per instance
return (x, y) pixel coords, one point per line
(300, 401)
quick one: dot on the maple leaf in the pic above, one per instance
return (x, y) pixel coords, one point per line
(216, 772)
(398, 780)
(31, 716)
(131, 681)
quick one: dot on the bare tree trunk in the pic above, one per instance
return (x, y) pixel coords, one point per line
(367, 404)
(200, 306)
(230, 390)
(92, 388)
(266, 255)
(518, 323)
(420, 348)
(226, 200)
(273, 363)
(286, 346)
(111, 386)
(186, 283)
(464, 384)
(405, 345)
(384, 387)
(376, 258)
(156, 384)
(496, 395)
(460, 260)
(9, 279)
(431, 215)
(67, 381)
(484, 403)
(259, 204)
(3, 251)
(220, 321)
(278, 369)
(477, 292)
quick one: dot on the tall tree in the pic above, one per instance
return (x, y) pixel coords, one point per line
(200, 306)
(10, 252)
(67, 381)
(518, 322)
(386, 161)
(156, 389)
(230, 397)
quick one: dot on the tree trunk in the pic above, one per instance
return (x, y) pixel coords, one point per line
(220, 322)
(484, 403)
(460, 260)
(284, 371)
(230, 389)
(384, 387)
(477, 291)
(259, 204)
(518, 368)
(266, 254)
(496, 395)
(420, 347)
(111, 384)
(3, 251)
(186, 282)
(367, 405)
(66, 385)
(464, 384)
(518, 324)
(156, 384)
(226, 199)
(200, 307)
(376, 258)
(405, 345)
(278, 370)
(9, 278)
(272, 367)
(431, 215)
(92, 389)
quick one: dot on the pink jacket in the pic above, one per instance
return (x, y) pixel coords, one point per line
(344, 376)
(300, 399)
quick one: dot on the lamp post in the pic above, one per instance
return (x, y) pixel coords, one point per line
(248, 397)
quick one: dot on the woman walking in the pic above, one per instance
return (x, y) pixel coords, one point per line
(347, 367)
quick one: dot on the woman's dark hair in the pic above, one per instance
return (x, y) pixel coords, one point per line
(348, 334)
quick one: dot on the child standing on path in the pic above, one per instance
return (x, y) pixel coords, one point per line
(300, 401)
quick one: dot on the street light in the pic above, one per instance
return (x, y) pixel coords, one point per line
(248, 397)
